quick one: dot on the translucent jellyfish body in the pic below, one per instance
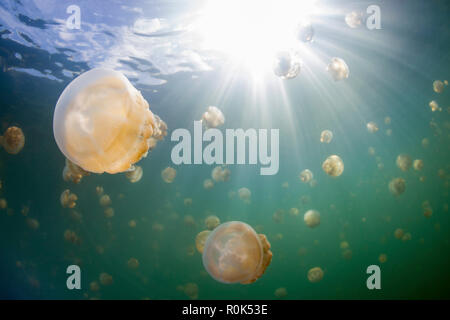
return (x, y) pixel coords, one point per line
(312, 218)
(398, 233)
(306, 176)
(354, 19)
(280, 293)
(245, 194)
(102, 123)
(220, 174)
(72, 172)
(397, 186)
(438, 86)
(68, 199)
(372, 127)
(159, 132)
(105, 279)
(404, 162)
(200, 240)
(305, 32)
(235, 253)
(382, 258)
(333, 166)
(133, 263)
(338, 69)
(168, 174)
(212, 222)
(208, 184)
(13, 140)
(213, 117)
(286, 65)
(434, 106)
(326, 136)
(418, 164)
(135, 175)
(315, 274)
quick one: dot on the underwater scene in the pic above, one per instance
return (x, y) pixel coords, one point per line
(211, 149)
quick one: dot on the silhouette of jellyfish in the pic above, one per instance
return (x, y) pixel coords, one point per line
(397, 186)
(404, 162)
(213, 117)
(234, 253)
(102, 123)
(135, 175)
(33, 224)
(286, 65)
(312, 218)
(13, 140)
(245, 194)
(306, 175)
(315, 274)
(338, 69)
(3, 203)
(326, 136)
(438, 86)
(333, 166)
(372, 127)
(168, 174)
(72, 172)
(68, 199)
(211, 222)
(354, 19)
(305, 32)
(200, 240)
(387, 120)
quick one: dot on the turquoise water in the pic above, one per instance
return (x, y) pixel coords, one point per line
(391, 75)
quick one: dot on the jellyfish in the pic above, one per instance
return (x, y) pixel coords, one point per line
(99, 190)
(94, 286)
(326, 136)
(315, 274)
(305, 32)
(168, 174)
(404, 162)
(371, 151)
(157, 227)
(398, 233)
(312, 218)
(278, 216)
(132, 223)
(13, 140)
(338, 69)
(234, 253)
(347, 254)
(427, 212)
(134, 175)
(418, 164)
(294, 212)
(372, 127)
(200, 240)
(105, 200)
(286, 65)
(3, 203)
(213, 117)
(354, 19)
(387, 120)
(438, 86)
(333, 166)
(189, 220)
(382, 258)
(191, 290)
(71, 237)
(102, 123)
(397, 186)
(389, 132)
(302, 251)
(25, 210)
(33, 223)
(434, 106)
(133, 263)
(220, 174)
(208, 184)
(211, 222)
(109, 212)
(159, 132)
(406, 237)
(306, 175)
(68, 199)
(245, 194)
(105, 279)
(285, 185)
(344, 245)
(280, 293)
(187, 202)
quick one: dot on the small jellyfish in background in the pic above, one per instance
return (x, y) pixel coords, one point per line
(200, 240)
(418, 164)
(285, 185)
(338, 69)
(189, 220)
(94, 286)
(438, 86)
(372, 127)
(312, 218)
(326, 136)
(389, 132)
(315, 274)
(286, 65)
(333, 166)
(294, 212)
(109, 212)
(168, 174)
(347, 254)
(434, 106)
(212, 222)
(280, 293)
(191, 290)
(135, 175)
(133, 263)
(3, 203)
(220, 174)
(406, 237)
(105, 279)
(234, 253)
(387, 121)
(306, 176)
(278, 216)
(404, 162)
(397, 186)
(208, 184)
(72, 172)
(382, 258)
(105, 200)
(99, 190)
(245, 194)
(305, 32)
(371, 151)
(398, 233)
(344, 245)
(213, 117)
(159, 132)
(354, 19)
(13, 140)
(132, 223)
(187, 202)
(71, 237)
(68, 199)
(33, 224)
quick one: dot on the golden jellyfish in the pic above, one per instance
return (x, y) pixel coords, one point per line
(33, 223)
(212, 222)
(404, 162)
(94, 286)
(99, 190)
(371, 151)
(76, 216)
(220, 174)
(287, 64)
(157, 227)
(3, 203)
(208, 184)
(133, 263)
(333, 166)
(191, 290)
(294, 212)
(347, 254)
(72, 172)
(68, 199)
(315, 274)
(132, 223)
(109, 212)
(159, 132)
(326, 136)
(434, 106)
(312, 218)
(200, 240)
(13, 140)
(278, 216)
(397, 186)
(187, 202)
(105, 200)
(406, 237)
(387, 120)
(213, 117)
(105, 279)
(189, 220)
(438, 86)
(71, 237)
(306, 176)
(427, 212)
(425, 142)
(234, 253)
(280, 293)
(354, 19)
(245, 194)
(134, 175)
(344, 245)
(418, 164)
(338, 69)
(168, 174)
(382, 258)
(398, 233)
(372, 127)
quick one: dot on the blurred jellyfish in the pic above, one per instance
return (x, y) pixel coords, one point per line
(404, 162)
(187, 202)
(220, 174)
(234, 252)
(305, 32)
(344, 245)
(109, 212)
(168, 174)
(315, 274)
(286, 65)
(285, 185)
(72, 172)
(438, 86)
(33, 224)
(68, 199)
(71, 237)
(278, 216)
(389, 132)
(397, 186)
(354, 19)
(105, 200)
(406, 237)
(208, 184)
(191, 290)
(159, 132)
(105, 279)
(132, 223)
(213, 117)
(190, 250)
(99, 190)
(333, 166)
(306, 175)
(382, 258)
(200, 240)
(371, 151)
(189, 220)
(3, 203)
(134, 175)
(245, 194)
(387, 120)
(338, 69)
(347, 254)
(326, 136)
(13, 140)
(434, 106)
(76, 216)
(280, 293)
(418, 164)
(133, 263)
(372, 127)
(312, 218)
(398, 233)
(157, 227)
(94, 286)
(211, 222)
(102, 123)
(294, 212)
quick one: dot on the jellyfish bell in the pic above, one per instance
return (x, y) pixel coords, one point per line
(434, 106)
(213, 117)
(235, 253)
(102, 123)
(372, 127)
(354, 19)
(418, 164)
(338, 69)
(245, 194)
(306, 176)
(333, 166)
(312, 218)
(13, 140)
(397, 186)
(134, 175)
(305, 32)
(168, 174)
(403, 161)
(438, 86)
(326, 136)
(286, 65)
(315, 274)
(200, 240)
(212, 222)
(208, 184)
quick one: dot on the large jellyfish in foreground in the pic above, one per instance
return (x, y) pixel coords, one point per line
(234, 253)
(338, 69)
(102, 123)
(13, 140)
